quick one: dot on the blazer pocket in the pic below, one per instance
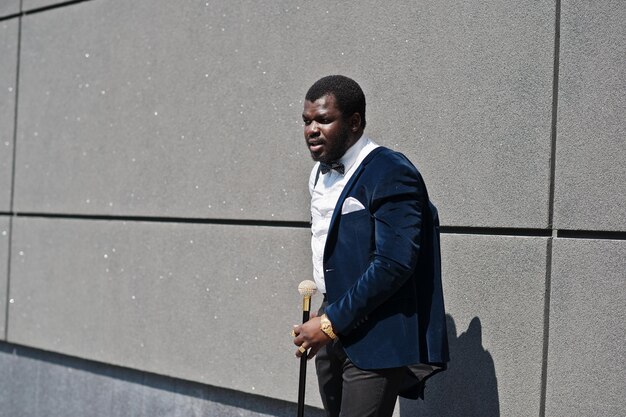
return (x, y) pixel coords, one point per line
(355, 235)
(351, 205)
(355, 215)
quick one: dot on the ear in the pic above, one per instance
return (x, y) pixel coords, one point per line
(355, 122)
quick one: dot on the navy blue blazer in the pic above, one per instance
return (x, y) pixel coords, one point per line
(381, 268)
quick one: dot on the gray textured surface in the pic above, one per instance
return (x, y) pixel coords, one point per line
(494, 289)
(207, 303)
(587, 329)
(591, 145)
(4, 256)
(74, 283)
(9, 7)
(153, 119)
(8, 68)
(42, 384)
(464, 88)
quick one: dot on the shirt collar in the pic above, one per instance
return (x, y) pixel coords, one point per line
(350, 157)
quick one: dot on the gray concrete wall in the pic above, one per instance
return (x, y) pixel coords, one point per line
(9, 7)
(591, 172)
(8, 71)
(158, 225)
(587, 330)
(183, 300)
(495, 295)
(36, 383)
(4, 264)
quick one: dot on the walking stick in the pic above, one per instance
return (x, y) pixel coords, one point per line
(306, 289)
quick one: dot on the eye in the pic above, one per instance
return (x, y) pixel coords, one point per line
(306, 122)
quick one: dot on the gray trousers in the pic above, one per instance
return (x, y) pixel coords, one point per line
(348, 391)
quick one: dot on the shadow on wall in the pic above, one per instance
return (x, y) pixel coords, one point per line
(468, 387)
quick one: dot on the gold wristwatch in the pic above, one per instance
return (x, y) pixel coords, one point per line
(327, 327)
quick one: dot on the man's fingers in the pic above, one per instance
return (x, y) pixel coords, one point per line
(301, 350)
(295, 330)
(295, 333)
(299, 339)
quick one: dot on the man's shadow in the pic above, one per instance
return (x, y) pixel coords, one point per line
(468, 387)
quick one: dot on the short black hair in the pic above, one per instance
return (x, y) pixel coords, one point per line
(348, 94)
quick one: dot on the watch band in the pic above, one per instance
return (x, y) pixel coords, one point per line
(327, 326)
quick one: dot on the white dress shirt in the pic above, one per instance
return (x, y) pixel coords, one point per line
(324, 196)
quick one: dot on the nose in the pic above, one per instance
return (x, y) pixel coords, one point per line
(312, 130)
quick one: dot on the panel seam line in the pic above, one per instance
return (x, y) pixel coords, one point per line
(551, 204)
(13, 169)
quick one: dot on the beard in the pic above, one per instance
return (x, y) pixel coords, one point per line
(335, 149)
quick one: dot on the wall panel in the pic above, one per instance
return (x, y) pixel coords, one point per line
(494, 292)
(192, 109)
(4, 257)
(9, 7)
(465, 89)
(135, 294)
(177, 112)
(8, 68)
(591, 149)
(587, 329)
(207, 303)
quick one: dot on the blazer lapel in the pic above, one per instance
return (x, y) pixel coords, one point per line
(337, 212)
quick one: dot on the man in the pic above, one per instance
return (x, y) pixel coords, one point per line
(381, 329)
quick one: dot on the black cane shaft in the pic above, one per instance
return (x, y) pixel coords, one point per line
(306, 313)
(301, 388)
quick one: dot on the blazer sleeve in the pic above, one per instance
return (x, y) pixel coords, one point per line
(397, 205)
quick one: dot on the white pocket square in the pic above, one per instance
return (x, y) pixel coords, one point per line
(351, 205)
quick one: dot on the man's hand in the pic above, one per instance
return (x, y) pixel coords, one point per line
(310, 336)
